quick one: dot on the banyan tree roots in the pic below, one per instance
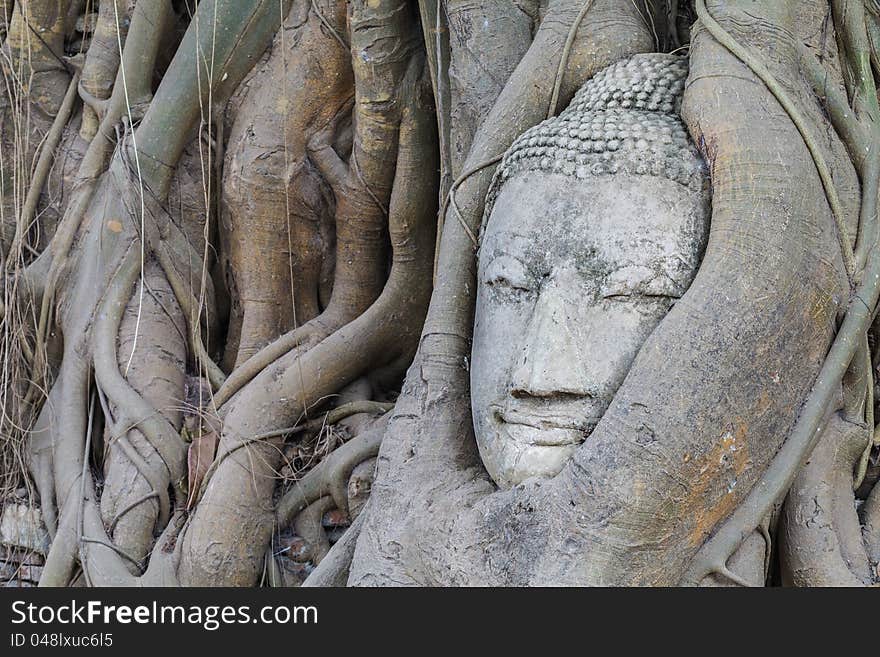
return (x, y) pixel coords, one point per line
(222, 258)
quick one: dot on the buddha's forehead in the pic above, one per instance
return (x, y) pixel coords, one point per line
(620, 220)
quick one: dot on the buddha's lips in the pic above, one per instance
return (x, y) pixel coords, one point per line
(542, 431)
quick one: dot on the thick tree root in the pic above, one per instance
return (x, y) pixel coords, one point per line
(278, 393)
(277, 207)
(36, 78)
(152, 353)
(820, 536)
(848, 350)
(102, 61)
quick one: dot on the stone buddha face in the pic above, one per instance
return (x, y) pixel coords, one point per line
(582, 255)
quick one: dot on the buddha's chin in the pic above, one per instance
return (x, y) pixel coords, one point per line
(520, 452)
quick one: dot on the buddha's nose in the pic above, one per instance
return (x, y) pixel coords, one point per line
(550, 363)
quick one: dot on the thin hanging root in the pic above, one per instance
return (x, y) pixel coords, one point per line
(871, 524)
(566, 53)
(85, 471)
(188, 304)
(135, 503)
(672, 40)
(450, 202)
(864, 356)
(339, 38)
(273, 575)
(784, 467)
(44, 165)
(330, 476)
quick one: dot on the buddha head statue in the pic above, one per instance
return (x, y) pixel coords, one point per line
(595, 225)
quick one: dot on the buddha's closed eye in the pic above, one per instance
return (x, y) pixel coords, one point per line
(639, 282)
(508, 274)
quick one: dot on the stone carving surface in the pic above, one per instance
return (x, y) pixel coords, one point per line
(594, 226)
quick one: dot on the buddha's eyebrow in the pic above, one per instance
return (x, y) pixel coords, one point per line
(501, 256)
(503, 243)
(489, 263)
(495, 244)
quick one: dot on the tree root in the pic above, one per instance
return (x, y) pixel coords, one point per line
(330, 476)
(271, 187)
(797, 117)
(102, 62)
(334, 567)
(152, 354)
(871, 529)
(44, 165)
(308, 526)
(290, 385)
(820, 536)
